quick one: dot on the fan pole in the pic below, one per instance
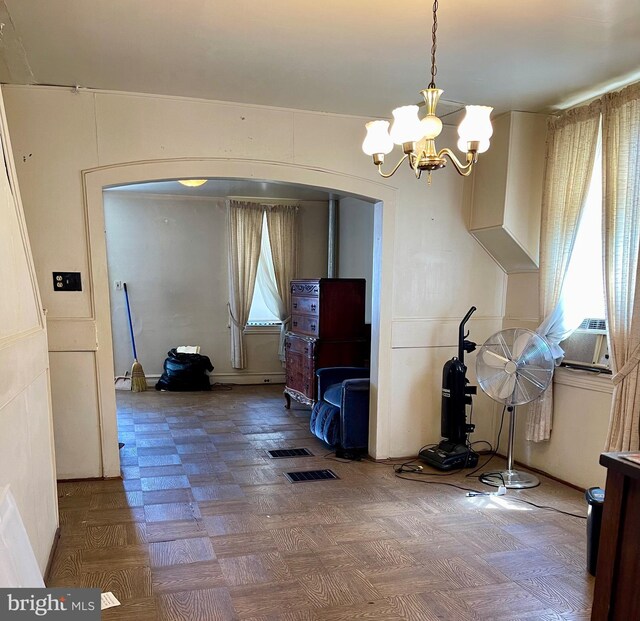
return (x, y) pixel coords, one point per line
(512, 436)
(510, 478)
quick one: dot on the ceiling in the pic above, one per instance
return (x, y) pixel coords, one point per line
(362, 57)
(221, 188)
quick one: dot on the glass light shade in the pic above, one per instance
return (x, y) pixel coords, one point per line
(483, 145)
(476, 124)
(406, 125)
(377, 139)
(431, 126)
(192, 183)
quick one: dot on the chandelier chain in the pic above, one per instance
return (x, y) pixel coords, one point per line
(434, 46)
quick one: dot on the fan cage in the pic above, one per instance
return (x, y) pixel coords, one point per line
(514, 366)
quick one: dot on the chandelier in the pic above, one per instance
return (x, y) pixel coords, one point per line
(418, 136)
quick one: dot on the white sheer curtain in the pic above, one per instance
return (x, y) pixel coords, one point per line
(621, 151)
(282, 224)
(244, 227)
(266, 277)
(571, 148)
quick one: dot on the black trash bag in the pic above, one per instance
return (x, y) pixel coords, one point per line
(185, 372)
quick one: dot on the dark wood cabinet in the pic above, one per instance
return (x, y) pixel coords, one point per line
(616, 596)
(327, 329)
(300, 368)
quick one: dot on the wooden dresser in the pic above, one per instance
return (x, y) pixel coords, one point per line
(327, 330)
(616, 596)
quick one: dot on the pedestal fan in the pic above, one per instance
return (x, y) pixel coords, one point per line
(514, 366)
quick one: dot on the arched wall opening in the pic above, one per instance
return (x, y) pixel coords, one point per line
(95, 180)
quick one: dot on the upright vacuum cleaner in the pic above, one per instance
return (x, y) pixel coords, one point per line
(454, 451)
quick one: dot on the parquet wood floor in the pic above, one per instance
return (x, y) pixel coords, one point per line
(204, 526)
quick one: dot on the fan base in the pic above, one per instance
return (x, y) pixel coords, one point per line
(511, 479)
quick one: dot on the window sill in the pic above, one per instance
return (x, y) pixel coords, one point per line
(262, 329)
(586, 380)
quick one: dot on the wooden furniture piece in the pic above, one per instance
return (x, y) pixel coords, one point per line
(617, 596)
(327, 330)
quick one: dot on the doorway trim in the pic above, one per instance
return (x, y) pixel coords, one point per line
(95, 179)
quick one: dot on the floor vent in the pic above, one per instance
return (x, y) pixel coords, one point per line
(311, 475)
(280, 453)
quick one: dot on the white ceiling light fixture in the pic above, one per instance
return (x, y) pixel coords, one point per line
(418, 136)
(192, 183)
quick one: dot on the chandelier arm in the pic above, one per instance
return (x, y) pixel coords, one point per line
(393, 172)
(413, 163)
(463, 169)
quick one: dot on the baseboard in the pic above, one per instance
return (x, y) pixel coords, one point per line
(244, 378)
(547, 475)
(516, 462)
(391, 461)
(250, 377)
(84, 479)
(54, 547)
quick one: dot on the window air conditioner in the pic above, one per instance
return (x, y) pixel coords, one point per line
(588, 346)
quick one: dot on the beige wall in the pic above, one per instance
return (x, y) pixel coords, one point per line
(355, 244)
(313, 239)
(431, 268)
(172, 252)
(26, 444)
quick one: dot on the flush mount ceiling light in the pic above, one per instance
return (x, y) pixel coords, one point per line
(192, 183)
(418, 136)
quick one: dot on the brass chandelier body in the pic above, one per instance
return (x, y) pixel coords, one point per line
(418, 136)
(423, 155)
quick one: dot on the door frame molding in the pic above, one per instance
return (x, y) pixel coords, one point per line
(96, 179)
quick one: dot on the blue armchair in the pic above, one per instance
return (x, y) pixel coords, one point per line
(340, 417)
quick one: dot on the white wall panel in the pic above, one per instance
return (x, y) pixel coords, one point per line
(26, 444)
(49, 156)
(140, 127)
(76, 423)
(580, 422)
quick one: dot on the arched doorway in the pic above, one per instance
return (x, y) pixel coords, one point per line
(94, 180)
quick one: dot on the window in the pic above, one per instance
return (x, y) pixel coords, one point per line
(583, 289)
(264, 306)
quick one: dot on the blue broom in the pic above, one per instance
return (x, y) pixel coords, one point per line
(138, 380)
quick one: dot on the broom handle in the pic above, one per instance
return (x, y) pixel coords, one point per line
(133, 340)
